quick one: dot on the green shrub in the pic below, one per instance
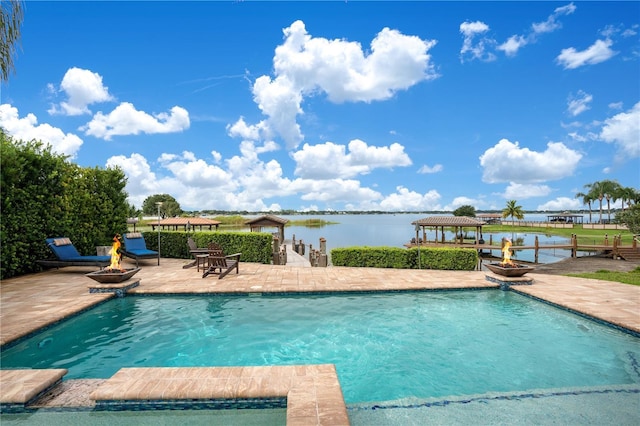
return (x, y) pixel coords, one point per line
(254, 246)
(393, 257)
(44, 195)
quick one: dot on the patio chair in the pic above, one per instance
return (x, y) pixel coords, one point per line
(199, 254)
(219, 264)
(136, 248)
(67, 255)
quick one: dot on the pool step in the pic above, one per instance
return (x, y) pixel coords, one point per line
(21, 387)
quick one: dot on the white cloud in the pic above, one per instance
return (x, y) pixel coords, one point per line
(27, 128)
(196, 173)
(462, 201)
(507, 162)
(552, 24)
(599, 51)
(623, 129)
(307, 66)
(404, 199)
(337, 191)
(515, 42)
(524, 191)
(472, 48)
(126, 120)
(579, 103)
(561, 203)
(240, 129)
(329, 160)
(436, 168)
(141, 181)
(189, 178)
(82, 88)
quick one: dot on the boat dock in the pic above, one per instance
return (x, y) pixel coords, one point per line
(614, 247)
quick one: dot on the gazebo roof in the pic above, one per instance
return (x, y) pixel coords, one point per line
(267, 220)
(448, 221)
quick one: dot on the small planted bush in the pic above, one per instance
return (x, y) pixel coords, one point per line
(399, 258)
(254, 246)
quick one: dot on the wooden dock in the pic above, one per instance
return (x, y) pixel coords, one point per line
(612, 247)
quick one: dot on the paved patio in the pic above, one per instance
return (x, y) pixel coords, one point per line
(30, 302)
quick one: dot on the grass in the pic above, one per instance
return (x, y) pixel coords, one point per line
(585, 236)
(311, 223)
(631, 277)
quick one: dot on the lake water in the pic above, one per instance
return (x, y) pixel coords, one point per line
(395, 230)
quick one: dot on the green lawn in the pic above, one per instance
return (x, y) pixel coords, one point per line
(631, 277)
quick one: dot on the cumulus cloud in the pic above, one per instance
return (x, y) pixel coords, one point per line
(579, 103)
(82, 88)
(195, 172)
(27, 128)
(507, 162)
(560, 203)
(126, 120)
(184, 173)
(330, 160)
(599, 51)
(308, 66)
(463, 201)
(623, 129)
(404, 199)
(141, 181)
(524, 191)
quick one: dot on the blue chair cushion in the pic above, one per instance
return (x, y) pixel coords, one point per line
(68, 252)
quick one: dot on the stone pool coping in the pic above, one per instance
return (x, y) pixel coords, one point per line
(29, 303)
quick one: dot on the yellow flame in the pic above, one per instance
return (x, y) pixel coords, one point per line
(506, 253)
(115, 256)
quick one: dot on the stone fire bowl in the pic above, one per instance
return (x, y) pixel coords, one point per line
(110, 276)
(509, 271)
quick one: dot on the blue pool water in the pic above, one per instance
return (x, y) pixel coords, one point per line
(385, 346)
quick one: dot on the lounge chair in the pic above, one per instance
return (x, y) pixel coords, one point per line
(67, 255)
(136, 248)
(219, 264)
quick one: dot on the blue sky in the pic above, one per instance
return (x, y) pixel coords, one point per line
(393, 106)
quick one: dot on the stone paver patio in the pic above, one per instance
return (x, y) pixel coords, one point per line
(30, 302)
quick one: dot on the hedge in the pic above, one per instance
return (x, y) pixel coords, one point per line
(254, 246)
(44, 195)
(457, 259)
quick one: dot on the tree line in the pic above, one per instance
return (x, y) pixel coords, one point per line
(609, 190)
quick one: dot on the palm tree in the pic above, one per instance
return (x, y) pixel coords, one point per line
(629, 195)
(596, 192)
(513, 210)
(586, 199)
(11, 16)
(611, 192)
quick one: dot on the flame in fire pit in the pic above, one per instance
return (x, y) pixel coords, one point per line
(115, 254)
(506, 254)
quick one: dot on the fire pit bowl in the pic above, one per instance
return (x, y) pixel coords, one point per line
(110, 276)
(512, 270)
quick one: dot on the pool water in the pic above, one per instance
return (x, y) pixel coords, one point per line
(245, 417)
(385, 346)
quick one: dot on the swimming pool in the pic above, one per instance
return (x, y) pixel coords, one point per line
(385, 346)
